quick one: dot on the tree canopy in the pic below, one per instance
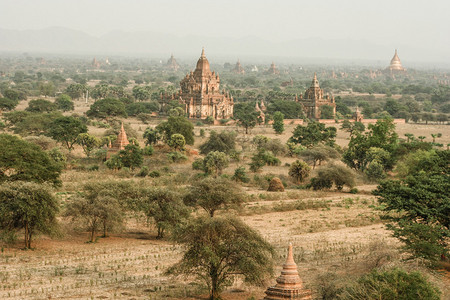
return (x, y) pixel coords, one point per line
(212, 194)
(29, 206)
(177, 124)
(21, 160)
(313, 134)
(219, 249)
(66, 130)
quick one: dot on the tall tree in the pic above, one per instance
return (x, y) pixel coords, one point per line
(313, 134)
(221, 248)
(278, 122)
(29, 206)
(66, 130)
(212, 194)
(246, 116)
(21, 160)
(166, 208)
(418, 208)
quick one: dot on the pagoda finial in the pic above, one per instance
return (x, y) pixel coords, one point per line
(315, 75)
(290, 256)
(203, 52)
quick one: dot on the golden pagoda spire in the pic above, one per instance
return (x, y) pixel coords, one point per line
(203, 53)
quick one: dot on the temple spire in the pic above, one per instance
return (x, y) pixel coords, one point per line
(203, 53)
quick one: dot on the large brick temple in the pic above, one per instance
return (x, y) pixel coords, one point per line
(313, 100)
(200, 93)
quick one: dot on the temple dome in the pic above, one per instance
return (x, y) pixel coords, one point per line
(396, 63)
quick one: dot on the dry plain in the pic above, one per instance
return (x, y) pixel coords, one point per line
(332, 232)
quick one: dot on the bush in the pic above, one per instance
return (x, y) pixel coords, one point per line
(148, 150)
(299, 171)
(339, 175)
(393, 284)
(154, 174)
(240, 175)
(143, 172)
(93, 168)
(197, 164)
(176, 157)
(375, 171)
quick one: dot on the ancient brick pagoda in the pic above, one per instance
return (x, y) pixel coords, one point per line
(172, 64)
(396, 65)
(95, 63)
(238, 69)
(201, 95)
(357, 115)
(119, 143)
(273, 69)
(289, 284)
(314, 99)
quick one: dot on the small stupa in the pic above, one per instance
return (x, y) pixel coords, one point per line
(289, 284)
(119, 143)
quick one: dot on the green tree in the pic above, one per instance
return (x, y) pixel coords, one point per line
(381, 135)
(151, 136)
(179, 125)
(220, 248)
(21, 160)
(212, 194)
(177, 142)
(224, 141)
(166, 208)
(299, 170)
(215, 162)
(47, 89)
(394, 284)
(76, 90)
(8, 104)
(419, 210)
(131, 157)
(41, 105)
(278, 122)
(95, 212)
(29, 206)
(339, 175)
(326, 112)
(245, 115)
(141, 93)
(87, 142)
(66, 130)
(64, 102)
(106, 108)
(313, 134)
(318, 154)
(31, 123)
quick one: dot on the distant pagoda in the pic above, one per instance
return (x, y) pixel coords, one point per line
(396, 65)
(273, 69)
(289, 284)
(95, 63)
(238, 69)
(314, 99)
(172, 64)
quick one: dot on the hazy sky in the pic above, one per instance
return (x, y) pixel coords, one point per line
(382, 21)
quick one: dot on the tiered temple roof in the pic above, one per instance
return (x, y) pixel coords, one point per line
(200, 93)
(314, 99)
(289, 284)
